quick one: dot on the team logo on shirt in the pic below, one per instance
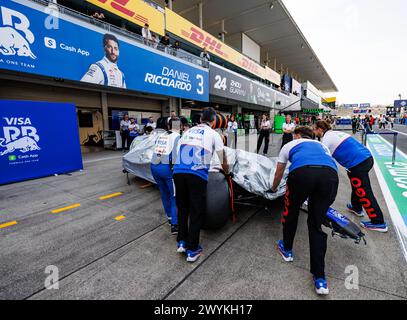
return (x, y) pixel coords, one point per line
(18, 135)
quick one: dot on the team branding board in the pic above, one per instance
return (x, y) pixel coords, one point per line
(34, 143)
(71, 49)
(230, 85)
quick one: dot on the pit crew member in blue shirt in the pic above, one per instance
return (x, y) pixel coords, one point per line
(161, 168)
(197, 147)
(358, 161)
(312, 175)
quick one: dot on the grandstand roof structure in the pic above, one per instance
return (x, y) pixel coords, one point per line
(270, 25)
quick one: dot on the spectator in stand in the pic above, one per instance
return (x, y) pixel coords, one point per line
(146, 33)
(98, 15)
(175, 47)
(297, 120)
(206, 58)
(165, 42)
(154, 41)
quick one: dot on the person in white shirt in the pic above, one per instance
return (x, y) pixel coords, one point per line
(125, 132)
(154, 41)
(232, 129)
(164, 157)
(146, 34)
(151, 123)
(382, 122)
(205, 56)
(392, 122)
(265, 127)
(196, 148)
(106, 72)
(133, 130)
(288, 130)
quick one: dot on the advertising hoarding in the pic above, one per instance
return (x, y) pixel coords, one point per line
(400, 103)
(80, 51)
(296, 88)
(286, 83)
(188, 31)
(273, 76)
(32, 145)
(135, 11)
(227, 84)
(230, 85)
(311, 92)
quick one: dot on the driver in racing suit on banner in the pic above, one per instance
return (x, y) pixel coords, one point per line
(358, 161)
(106, 72)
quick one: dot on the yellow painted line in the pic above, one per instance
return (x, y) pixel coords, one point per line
(148, 185)
(66, 208)
(109, 196)
(8, 224)
(120, 218)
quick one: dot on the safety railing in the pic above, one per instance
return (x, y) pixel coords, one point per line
(367, 132)
(179, 53)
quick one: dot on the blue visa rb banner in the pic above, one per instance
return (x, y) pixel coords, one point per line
(37, 139)
(78, 50)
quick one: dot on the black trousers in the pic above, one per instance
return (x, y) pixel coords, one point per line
(264, 135)
(319, 185)
(287, 138)
(125, 138)
(191, 203)
(354, 128)
(362, 193)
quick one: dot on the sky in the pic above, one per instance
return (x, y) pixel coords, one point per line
(361, 43)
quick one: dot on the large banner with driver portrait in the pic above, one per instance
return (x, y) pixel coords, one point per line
(39, 40)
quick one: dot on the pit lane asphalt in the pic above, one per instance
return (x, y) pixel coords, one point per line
(101, 258)
(401, 139)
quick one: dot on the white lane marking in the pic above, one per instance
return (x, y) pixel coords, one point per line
(102, 159)
(397, 220)
(398, 150)
(399, 132)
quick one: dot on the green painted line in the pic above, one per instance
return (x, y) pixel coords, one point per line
(393, 183)
(395, 176)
